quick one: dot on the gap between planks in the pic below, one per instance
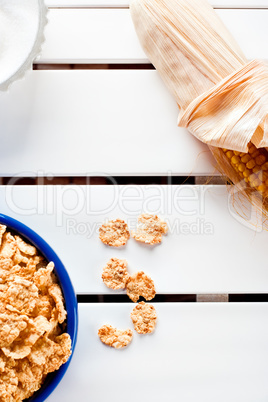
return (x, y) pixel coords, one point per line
(93, 66)
(98, 180)
(178, 298)
(116, 180)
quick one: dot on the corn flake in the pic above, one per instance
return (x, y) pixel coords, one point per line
(43, 278)
(140, 284)
(8, 381)
(11, 325)
(150, 229)
(31, 308)
(6, 263)
(21, 295)
(115, 275)
(114, 337)
(2, 231)
(55, 293)
(25, 248)
(114, 233)
(43, 307)
(22, 346)
(8, 247)
(51, 354)
(144, 318)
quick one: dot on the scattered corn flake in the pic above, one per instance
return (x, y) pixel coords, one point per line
(8, 247)
(24, 247)
(114, 337)
(144, 318)
(150, 229)
(115, 275)
(55, 293)
(2, 231)
(140, 284)
(114, 233)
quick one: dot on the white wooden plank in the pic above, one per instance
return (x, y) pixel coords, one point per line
(239, 3)
(125, 3)
(94, 123)
(99, 35)
(198, 352)
(108, 35)
(209, 249)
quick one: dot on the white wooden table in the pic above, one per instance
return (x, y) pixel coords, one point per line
(93, 110)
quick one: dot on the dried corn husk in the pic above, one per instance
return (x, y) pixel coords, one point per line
(213, 119)
(187, 43)
(223, 98)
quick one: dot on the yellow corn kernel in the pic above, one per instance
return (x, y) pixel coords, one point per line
(246, 173)
(229, 154)
(260, 159)
(236, 153)
(255, 154)
(251, 149)
(251, 164)
(235, 160)
(246, 158)
(256, 169)
(264, 176)
(241, 167)
(262, 188)
(265, 166)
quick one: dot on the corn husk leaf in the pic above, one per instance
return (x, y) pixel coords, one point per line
(223, 99)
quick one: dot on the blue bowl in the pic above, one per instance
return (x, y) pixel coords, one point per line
(53, 379)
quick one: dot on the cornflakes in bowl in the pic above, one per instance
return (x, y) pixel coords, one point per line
(38, 315)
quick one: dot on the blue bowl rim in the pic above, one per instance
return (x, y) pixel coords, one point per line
(69, 297)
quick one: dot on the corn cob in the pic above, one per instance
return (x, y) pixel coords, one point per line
(252, 167)
(193, 52)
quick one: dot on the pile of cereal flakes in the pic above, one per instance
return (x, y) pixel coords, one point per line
(32, 319)
(115, 233)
